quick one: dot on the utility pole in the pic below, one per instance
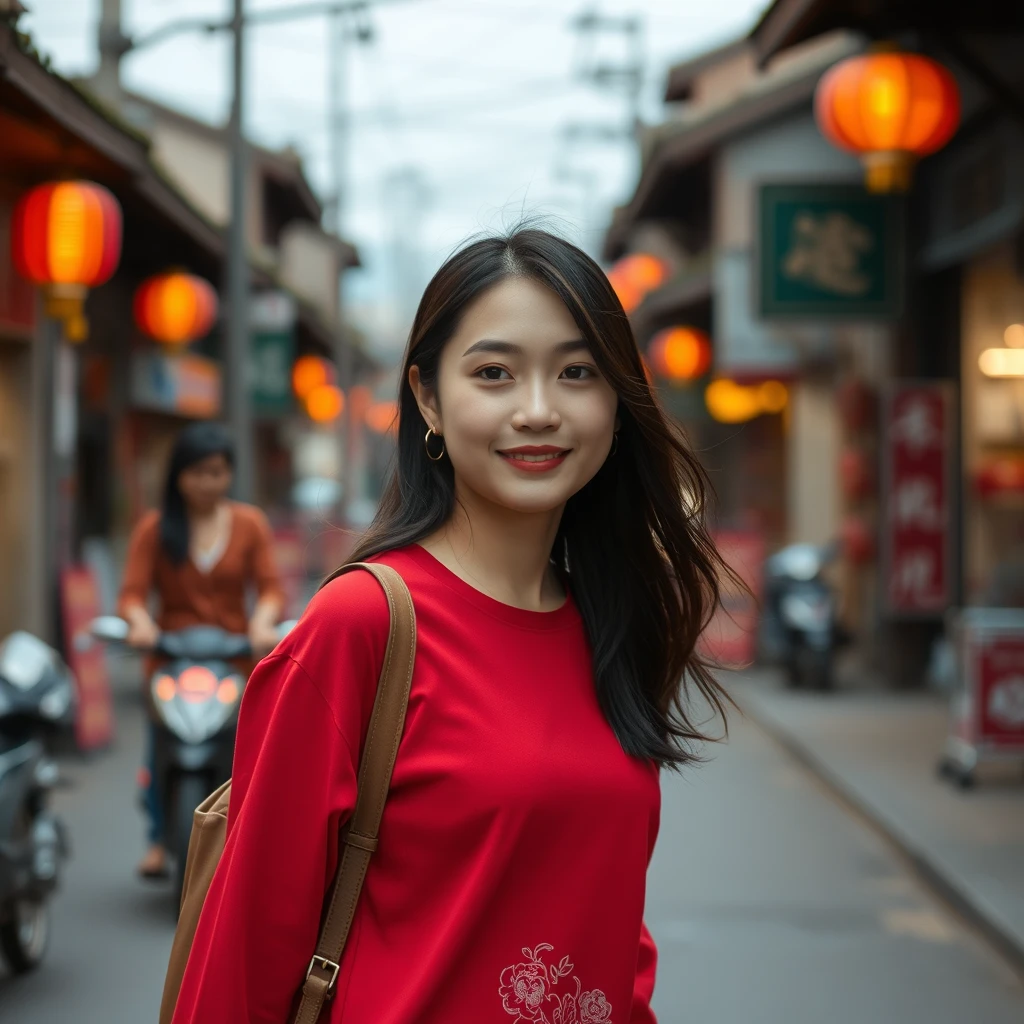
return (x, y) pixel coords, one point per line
(343, 354)
(111, 47)
(338, 133)
(238, 400)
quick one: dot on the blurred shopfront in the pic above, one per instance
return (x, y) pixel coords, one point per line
(947, 537)
(761, 222)
(87, 416)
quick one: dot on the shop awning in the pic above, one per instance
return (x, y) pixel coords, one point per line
(788, 22)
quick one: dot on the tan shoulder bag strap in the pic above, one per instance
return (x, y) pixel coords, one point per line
(360, 838)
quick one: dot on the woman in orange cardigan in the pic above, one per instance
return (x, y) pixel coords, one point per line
(199, 554)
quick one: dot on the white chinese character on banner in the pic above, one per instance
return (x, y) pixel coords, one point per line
(914, 574)
(915, 503)
(916, 427)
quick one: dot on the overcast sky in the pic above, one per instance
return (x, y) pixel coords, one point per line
(458, 107)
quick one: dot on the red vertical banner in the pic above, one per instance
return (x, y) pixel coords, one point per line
(80, 604)
(918, 515)
(730, 639)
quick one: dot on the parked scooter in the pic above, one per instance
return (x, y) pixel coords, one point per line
(194, 695)
(802, 613)
(37, 698)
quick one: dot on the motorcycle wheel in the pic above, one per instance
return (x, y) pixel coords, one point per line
(190, 792)
(25, 934)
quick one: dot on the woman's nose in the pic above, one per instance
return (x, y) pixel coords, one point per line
(537, 410)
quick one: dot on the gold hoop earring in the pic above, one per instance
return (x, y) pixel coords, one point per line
(426, 445)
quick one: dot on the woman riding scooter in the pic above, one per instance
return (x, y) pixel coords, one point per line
(199, 554)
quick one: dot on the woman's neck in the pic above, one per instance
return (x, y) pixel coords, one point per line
(205, 515)
(503, 553)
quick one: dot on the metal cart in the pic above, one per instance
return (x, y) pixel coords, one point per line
(987, 710)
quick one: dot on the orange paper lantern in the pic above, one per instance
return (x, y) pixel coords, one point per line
(325, 403)
(681, 353)
(310, 373)
(891, 108)
(636, 275)
(175, 308)
(66, 236)
(382, 417)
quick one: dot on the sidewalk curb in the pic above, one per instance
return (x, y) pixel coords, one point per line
(937, 878)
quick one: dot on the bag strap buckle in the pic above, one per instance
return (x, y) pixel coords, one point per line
(328, 966)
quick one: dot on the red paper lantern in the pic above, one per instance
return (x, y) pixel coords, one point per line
(855, 476)
(175, 308)
(680, 353)
(891, 108)
(66, 236)
(857, 405)
(857, 539)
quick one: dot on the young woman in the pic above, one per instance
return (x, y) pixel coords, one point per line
(199, 554)
(548, 522)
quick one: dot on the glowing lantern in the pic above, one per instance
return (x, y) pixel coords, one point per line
(681, 353)
(382, 417)
(175, 308)
(636, 275)
(891, 108)
(730, 402)
(310, 373)
(324, 403)
(66, 236)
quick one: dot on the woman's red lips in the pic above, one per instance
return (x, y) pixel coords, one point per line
(535, 458)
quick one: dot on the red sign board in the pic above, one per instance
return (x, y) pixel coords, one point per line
(80, 604)
(999, 697)
(917, 519)
(730, 639)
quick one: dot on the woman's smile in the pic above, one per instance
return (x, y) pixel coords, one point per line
(535, 458)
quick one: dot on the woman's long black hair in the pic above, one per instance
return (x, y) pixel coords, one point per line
(643, 569)
(196, 442)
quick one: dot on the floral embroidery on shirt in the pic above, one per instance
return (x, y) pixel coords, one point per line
(531, 989)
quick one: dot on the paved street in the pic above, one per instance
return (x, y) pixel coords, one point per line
(770, 903)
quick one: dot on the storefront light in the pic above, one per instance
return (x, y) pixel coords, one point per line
(730, 402)
(1002, 362)
(1014, 335)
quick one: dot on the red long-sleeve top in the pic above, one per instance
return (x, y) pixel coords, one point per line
(509, 880)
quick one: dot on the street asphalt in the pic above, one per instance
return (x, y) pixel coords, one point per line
(770, 903)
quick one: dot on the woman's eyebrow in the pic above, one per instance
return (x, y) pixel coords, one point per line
(508, 348)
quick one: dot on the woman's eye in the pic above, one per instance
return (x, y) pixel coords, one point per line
(494, 373)
(577, 372)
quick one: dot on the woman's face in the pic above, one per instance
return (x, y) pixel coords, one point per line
(526, 416)
(205, 483)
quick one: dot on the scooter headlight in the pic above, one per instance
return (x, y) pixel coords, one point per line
(196, 704)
